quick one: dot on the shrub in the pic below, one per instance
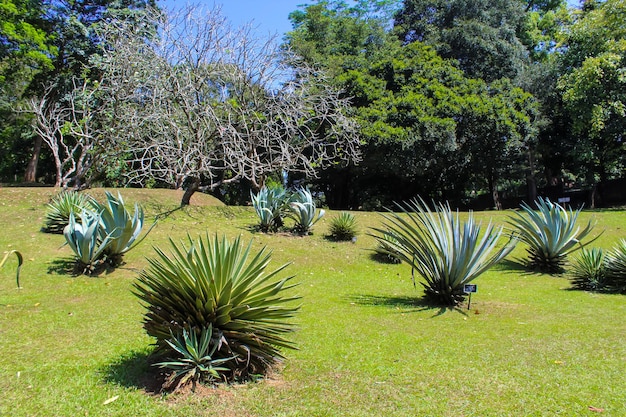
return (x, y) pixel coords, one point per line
(303, 211)
(343, 226)
(20, 261)
(61, 206)
(194, 358)
(270, 205)
(446, 252)
(551, 234)
(616, 268)
(219, 284)
(589, 270)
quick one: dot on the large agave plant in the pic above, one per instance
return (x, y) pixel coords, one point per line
(551, 234)
(86, 240)
(616, 268)
(20, 261)
(445, 252)
(122, 227)
(270, 205)
(219, 284)
(59, 209)
(303, 211)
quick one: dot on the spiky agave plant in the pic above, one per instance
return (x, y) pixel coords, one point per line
(616, 268)
(387, 248)
(86, 241)
(589, 270)
(551, 234)
(220, 284)
(122, 227)
(270, 205)
(444, 251)
(303, 211)
(194, 358)
(60, 207)
(343, 226)
(20, 261)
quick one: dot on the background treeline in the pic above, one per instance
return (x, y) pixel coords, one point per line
(478, 102)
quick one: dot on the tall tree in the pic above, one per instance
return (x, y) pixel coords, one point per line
(205, 104)
(594, 87)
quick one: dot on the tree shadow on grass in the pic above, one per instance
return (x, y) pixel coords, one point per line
(134, 370)
(413, 304)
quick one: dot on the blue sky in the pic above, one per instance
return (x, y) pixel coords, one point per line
(270, 16)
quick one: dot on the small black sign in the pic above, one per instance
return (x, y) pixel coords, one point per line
(470, 288)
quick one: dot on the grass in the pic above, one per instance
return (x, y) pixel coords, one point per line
(529, 346)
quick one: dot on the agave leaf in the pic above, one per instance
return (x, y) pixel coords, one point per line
(20, 261)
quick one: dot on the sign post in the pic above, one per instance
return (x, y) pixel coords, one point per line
(469, 289)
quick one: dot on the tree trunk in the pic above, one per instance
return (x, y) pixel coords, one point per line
(531, 184)
(494, 193)
(194, 185)
(30, 175)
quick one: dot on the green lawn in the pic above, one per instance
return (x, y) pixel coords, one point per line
(529, 346)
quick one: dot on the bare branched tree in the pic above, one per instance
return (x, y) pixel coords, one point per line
(203, 104)
(68, 127)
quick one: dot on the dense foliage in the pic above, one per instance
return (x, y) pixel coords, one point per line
(480, 103)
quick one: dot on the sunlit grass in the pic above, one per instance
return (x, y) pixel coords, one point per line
(529, 346)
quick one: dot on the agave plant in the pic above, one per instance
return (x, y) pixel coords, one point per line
(445, 252)
(87, 241)
(616, 268)
(551, 234)
(589, 270)
(122, 228)
(195, 358)
(270, 205)
(61, 206)
(303, 211)
(387, 247)
(20, 261)
(220, 284)
(343, 226)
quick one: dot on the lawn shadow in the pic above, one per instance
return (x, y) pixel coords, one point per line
(134, 370)
(512, 265)
(69, 266)
(414, 304)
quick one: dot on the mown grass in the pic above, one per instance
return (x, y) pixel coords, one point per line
(529, 346)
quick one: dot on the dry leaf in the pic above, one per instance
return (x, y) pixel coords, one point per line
(596, 409)
(110, 400)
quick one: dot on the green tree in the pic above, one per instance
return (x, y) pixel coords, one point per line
(594, 88)
(483, 36)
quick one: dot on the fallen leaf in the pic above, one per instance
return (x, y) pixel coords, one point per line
(596, 409)
(110, 400)
(37, 304)
(559, 362)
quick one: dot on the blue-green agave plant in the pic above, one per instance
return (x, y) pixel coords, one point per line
(303, 211)
(270, 205)
(551, 233)
(444, 251)
(87, 240)
(122, 228)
